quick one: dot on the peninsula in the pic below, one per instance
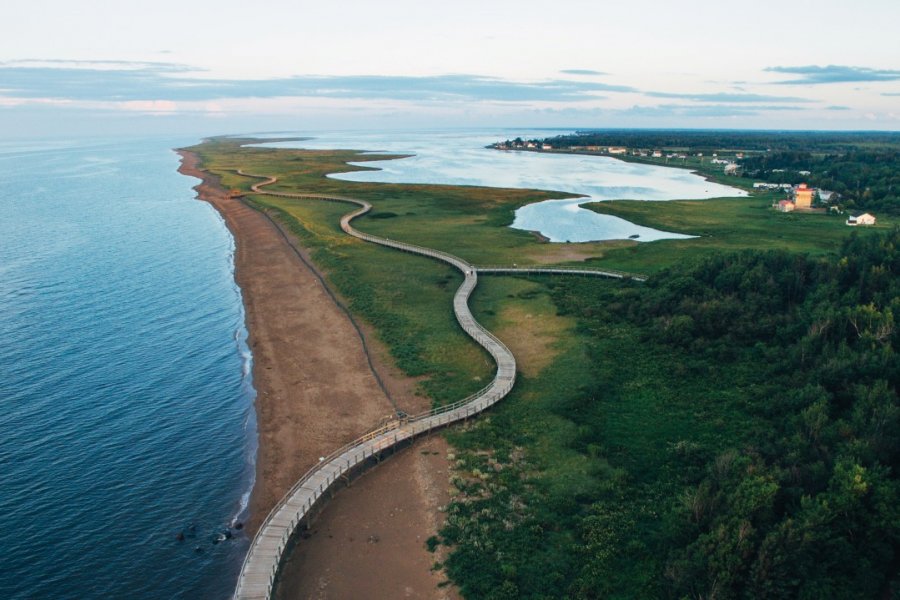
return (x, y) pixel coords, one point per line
(611, 423)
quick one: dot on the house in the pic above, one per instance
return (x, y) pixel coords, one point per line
(803, 196)
(804, 173)
(785, 206)
(827, 195)
(731, 169)
(657, 154)
(863, 219)
(546, 147)
(617, 150)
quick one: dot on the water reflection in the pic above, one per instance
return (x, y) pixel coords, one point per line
(460, 158)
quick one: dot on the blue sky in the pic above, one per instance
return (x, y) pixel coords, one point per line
(213, 67)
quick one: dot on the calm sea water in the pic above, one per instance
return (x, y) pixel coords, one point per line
(124, 377)
(460, 158)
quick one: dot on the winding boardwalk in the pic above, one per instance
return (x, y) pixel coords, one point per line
(260, 569)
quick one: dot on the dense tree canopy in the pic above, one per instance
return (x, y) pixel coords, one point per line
(808, 505)
(867, 180)
(712, 140)
(729, 429)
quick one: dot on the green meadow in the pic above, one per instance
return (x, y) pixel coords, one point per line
(722, 225)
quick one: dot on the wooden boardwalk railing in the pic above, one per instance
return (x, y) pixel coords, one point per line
(260, 568)
(561, 270)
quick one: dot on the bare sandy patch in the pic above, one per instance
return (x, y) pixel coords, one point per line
(546, 253)
(532, 337)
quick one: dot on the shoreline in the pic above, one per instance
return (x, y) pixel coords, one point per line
(297, 426)
(710, 177)
(314, 387)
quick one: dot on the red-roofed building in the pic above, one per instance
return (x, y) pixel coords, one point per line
(785, 206)
(803, 196)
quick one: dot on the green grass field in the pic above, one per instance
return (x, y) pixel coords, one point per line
(723, 224)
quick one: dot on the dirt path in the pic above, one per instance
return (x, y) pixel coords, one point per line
(315, 391)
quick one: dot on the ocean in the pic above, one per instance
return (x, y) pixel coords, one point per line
(127, 412)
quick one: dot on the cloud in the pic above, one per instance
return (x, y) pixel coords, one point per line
(813, 74)
(728, 98)
(705, 110)
(152, 107)
(112, 65)
(122, 81)
(581, 72)
(891, 94)
(835, 107)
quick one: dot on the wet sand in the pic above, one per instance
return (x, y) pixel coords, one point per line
(315, 392)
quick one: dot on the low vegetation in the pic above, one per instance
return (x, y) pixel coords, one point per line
(723, 224)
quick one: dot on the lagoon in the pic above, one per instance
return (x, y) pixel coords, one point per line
(461, 158)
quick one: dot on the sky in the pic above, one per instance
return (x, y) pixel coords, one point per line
(204, 67)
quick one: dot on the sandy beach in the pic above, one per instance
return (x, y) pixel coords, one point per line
(316, 391)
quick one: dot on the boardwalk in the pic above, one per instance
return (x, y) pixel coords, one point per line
(260, 569)
(559, 271)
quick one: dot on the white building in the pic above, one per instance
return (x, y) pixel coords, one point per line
(863, 219)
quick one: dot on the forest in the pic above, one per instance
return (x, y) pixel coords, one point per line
(709, 140)
(736, 436)
(865, 179)
(808, 504)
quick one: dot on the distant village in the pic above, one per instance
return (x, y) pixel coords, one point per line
(801, 198)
